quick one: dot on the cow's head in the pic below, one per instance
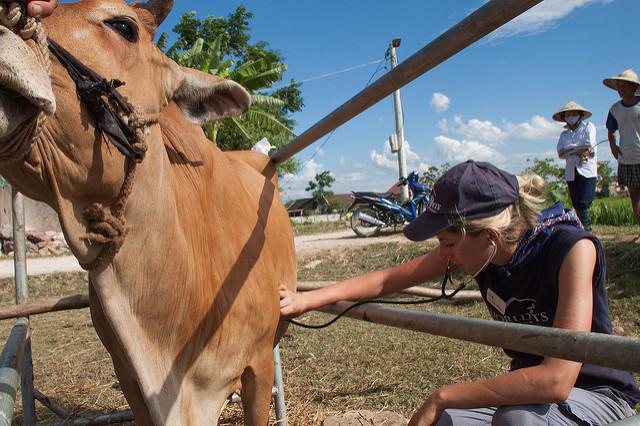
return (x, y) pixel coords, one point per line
(71, 165)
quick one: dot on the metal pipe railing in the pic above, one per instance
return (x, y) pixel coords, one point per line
(11, 362)
(65, 303)
(593, 348)
(22, 296)
(280, 405)
(483, 21)
(462, 295)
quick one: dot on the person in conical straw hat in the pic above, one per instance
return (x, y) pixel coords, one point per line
(577, 146)
(624, 118)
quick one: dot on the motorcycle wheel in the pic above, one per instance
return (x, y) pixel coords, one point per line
(420, 208)
(361, 227)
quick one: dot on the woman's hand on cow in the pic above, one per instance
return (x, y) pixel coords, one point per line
(41, 8)
(291, 303)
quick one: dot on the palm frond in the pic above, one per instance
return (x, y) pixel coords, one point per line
(266, 121)
(242, 131)
(266, 100)
(264, 79)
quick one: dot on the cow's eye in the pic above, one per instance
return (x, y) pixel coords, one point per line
(126, 28)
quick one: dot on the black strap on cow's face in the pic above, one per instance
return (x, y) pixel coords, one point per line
(93, 89)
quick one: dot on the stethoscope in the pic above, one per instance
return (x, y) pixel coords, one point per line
(446, 279)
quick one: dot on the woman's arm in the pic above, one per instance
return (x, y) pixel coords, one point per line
(367, 286)
(550, 381)
(41, 8)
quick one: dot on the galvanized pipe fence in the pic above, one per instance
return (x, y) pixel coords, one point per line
(606, 350)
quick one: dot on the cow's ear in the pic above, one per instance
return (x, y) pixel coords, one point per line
(204, 98)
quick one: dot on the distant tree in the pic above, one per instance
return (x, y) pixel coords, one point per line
(553, 175)
(319, 188)
(605, 178)
(221, 46)
(433, 173)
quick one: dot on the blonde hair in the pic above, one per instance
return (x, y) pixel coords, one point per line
(511, 222)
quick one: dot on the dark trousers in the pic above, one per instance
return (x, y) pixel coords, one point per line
(582, 191)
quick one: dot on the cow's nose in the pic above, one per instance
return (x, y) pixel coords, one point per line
(21, 72)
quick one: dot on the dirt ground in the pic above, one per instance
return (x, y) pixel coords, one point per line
(307, 245)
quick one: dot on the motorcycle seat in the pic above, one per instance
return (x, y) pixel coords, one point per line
(375, 194)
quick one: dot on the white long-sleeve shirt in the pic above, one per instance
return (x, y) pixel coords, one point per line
(569, 145)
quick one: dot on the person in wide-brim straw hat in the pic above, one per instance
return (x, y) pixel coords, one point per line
(571, 106)
(623, 120)
(628, 75)
(577, 146)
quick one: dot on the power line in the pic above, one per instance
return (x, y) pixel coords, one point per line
(329, 74)
(380, 63)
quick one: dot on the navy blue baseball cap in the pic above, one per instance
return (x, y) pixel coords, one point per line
(469, 190)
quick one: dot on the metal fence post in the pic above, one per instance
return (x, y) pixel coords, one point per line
(281, 409)
(10, 365)
(22, 296)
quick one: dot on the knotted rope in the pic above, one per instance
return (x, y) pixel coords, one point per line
(107, 224)
(118, 120)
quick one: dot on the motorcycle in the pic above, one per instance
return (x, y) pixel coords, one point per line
(377, 211)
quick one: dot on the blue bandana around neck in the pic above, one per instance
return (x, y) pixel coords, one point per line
(531, 242)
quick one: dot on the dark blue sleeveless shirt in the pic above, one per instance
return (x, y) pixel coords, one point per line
(526, 291)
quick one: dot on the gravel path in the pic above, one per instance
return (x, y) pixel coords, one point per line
(306, 245)
(309, 244)
(42, 265)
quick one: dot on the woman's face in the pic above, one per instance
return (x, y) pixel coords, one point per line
(470, 252)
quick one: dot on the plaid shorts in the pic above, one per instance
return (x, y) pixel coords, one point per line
(629, 175)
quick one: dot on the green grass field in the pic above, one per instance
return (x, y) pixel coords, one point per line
(351, 365)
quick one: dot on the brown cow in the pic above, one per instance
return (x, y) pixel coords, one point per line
(186, 302)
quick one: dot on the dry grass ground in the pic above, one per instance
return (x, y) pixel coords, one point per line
(351, 365)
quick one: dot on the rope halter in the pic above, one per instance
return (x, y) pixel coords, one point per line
(115, 117)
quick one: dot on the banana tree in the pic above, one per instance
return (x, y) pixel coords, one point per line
(254, 75)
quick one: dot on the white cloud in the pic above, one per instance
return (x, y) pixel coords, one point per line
(541, 17)
(388, 160)
(482, 130)
(458, 151)
(293, 186)
(352, 177)
(341, 160)
(443, 125)
(536, 128)
(440, 102)
(382, 159)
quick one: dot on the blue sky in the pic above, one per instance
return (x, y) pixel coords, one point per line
(492, 101)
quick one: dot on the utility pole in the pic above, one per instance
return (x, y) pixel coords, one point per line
(402, 161)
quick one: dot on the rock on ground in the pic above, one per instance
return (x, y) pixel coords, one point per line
(366, 418)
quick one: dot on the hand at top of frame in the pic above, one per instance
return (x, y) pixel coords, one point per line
(41, 8)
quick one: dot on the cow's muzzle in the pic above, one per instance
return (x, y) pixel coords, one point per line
(25, 86)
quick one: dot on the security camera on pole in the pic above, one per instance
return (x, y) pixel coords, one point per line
(402, 161)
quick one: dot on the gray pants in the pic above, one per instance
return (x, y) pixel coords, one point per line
(599, 406)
